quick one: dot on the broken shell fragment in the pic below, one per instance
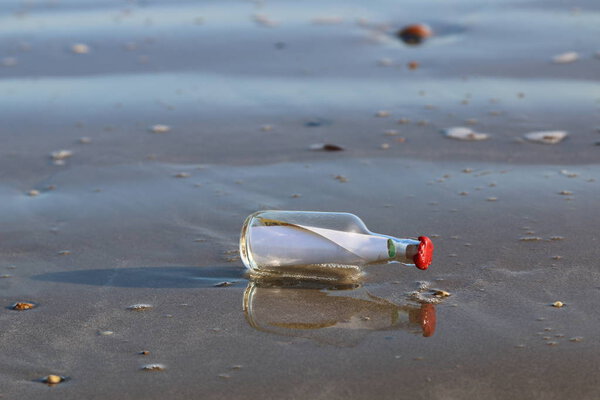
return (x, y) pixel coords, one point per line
(325, 147)
(153, 367)
(61, 154)
(22, 306)
(546, 137)
(463, 133)
(160, 128)
(80, 48)
(140, 307)
(415, 34)
(565, 58)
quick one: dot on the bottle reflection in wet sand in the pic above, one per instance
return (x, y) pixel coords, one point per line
(338, 317)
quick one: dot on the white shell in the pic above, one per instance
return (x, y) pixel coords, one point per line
(565, 58)
(463, 133)
(160, 128)
(546, 137)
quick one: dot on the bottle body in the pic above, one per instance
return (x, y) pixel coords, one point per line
(296, 241)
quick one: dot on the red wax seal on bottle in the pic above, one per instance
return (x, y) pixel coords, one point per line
(424, 253)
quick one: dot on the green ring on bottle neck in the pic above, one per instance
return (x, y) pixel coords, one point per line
(391, 248)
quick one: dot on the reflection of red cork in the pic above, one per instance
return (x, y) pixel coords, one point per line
(424, 253)
(427, 319)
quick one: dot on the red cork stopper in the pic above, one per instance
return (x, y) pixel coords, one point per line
(424, 253)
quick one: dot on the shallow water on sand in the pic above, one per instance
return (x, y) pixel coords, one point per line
(138, 217)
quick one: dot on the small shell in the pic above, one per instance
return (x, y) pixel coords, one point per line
(565, 58)
(80, 48)
(463, 133)
(160, 128)
(140, 307)
(546, 137)
(153, 367)
(22, 306)
(61, 154)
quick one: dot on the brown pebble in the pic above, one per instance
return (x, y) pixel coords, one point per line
(412, 65)
(565, 193)
(64, 252)
(341, 178)
(144, 353)
(22, 306)
(415, 34)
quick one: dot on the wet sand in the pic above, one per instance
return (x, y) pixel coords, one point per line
(136, 217)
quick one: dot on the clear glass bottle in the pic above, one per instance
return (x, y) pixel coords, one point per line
(296, 242)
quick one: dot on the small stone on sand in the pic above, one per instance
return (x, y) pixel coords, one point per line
(565, 193)
(440, 293)
(223, 284)
(384, 146)
(576, 339)
(153, 367)
(105, 333)
(182, 175)
(22, 306)
(546, 137)
(140, 307)
(325, 147)
(415, 34)
(530, 239)
(64, 252)
(160, 128)
(33, 193)
(412, 65)
(85, 140)
(341, 178)
(61, 154)
(565, 58)
(382, 114)
(266, 128)
(80, 48)
(144, 353)
(53, 379)
(558, 304)
(463, 133)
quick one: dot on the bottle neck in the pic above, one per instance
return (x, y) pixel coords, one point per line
(402, 250)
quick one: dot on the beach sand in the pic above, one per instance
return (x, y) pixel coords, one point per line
(137, 214)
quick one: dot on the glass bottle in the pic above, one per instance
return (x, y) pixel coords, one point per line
(295, 242)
